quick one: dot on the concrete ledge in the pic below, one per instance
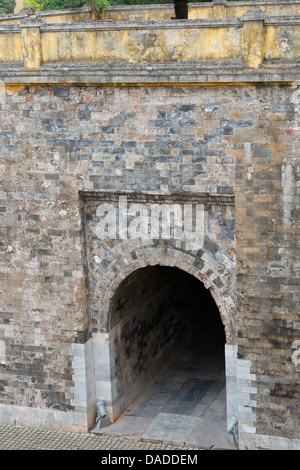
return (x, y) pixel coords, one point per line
(133, 25)
(163, 198)
(168, 74)
(159, 24)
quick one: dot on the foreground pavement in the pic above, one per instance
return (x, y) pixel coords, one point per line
(26, 438)
(184, 408)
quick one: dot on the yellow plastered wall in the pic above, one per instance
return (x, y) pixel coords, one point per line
(11, 48)
(162, 45)
(281, 43)
(251, 40)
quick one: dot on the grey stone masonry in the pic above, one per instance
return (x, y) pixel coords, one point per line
(218, 135)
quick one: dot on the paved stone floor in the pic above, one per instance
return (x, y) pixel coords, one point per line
(26, 438)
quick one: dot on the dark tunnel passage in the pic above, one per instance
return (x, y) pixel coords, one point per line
(159, 314)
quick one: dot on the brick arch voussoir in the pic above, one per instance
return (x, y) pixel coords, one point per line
(205, 268)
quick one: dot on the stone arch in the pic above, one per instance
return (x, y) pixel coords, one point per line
(112, 263)
(216, 275)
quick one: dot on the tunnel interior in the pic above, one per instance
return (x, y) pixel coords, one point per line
(159, 312)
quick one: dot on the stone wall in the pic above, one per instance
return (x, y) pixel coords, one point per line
(71, 139)
(219, 141)
(220, 134)
(267, 211)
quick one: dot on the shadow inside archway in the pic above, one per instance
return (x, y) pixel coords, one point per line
(185, 400)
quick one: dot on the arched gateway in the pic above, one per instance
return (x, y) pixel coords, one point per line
(149, 301)
(167, 348)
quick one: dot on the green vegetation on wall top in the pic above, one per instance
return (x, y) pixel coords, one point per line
(8, 6)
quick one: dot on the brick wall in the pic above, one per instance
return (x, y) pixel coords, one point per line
(222, 141)
(267, 211)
